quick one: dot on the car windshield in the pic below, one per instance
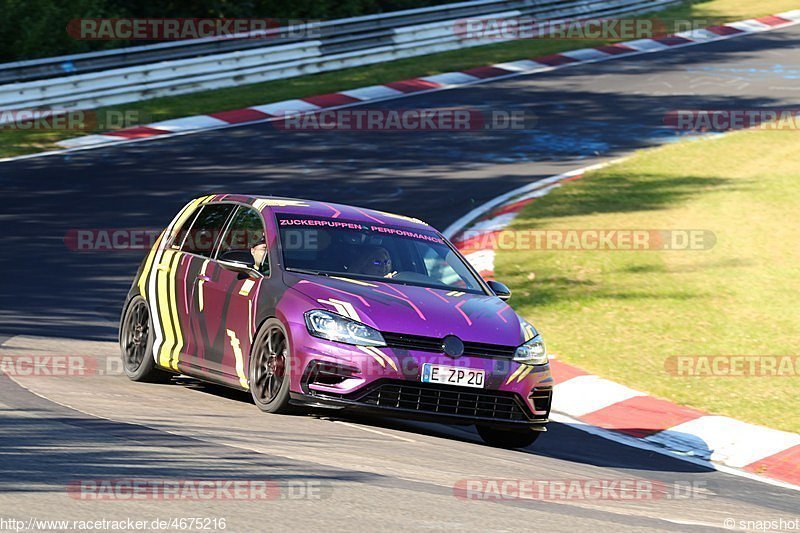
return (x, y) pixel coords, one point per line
(358, 250)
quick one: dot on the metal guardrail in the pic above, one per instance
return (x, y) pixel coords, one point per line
(333, 30)
(180, 67)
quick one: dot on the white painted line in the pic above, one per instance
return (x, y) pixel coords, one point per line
(645, 45)
(493, 224)
(793, 15)
(188, 123)
(586, 394)
(523, 65)
(538, 193)
(750, 25)
(476, 213)
(451, 78)
(633, 442)
(586, 54)
(698, 35)
(373, 92)
(681, 522)
(286, 107)
(725, 440)
(89, 140)
(370, 430)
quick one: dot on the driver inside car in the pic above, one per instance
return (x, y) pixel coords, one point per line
(373, 261)
(258, 250)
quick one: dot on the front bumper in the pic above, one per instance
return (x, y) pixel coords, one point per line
(430, 402)
(387, 382)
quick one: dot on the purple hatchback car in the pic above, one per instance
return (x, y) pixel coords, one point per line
(324, 305)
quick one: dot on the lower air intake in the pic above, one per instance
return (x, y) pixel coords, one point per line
(444, 399)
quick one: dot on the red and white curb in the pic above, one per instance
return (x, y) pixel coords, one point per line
(438, 82)
(625, 414)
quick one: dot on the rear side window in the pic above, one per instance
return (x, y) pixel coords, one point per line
(202, 237)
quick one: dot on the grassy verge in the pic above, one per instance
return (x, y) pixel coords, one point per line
(17, 142)
(622, 314)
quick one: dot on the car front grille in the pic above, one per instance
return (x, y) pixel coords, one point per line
(402, 341)
(446, 400)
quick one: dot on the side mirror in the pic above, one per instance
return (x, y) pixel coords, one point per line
(502, 292)
(238, 261)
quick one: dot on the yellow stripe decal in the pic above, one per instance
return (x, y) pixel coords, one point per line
(246, 287)
(383, 356)
(524, 374)
(237, 352)
(158, 285)
(164, 314)
(148, 264)
(516, 373)
(527, 332)
(173, 288)
(343, 308)
(379, 359)
(187, 211)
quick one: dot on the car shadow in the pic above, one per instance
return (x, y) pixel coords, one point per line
(561, 441)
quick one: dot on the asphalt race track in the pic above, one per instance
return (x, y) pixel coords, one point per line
(381, 473)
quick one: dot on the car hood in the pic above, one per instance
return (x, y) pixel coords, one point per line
(414, 310)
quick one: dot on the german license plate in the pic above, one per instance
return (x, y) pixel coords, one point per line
(452, 375)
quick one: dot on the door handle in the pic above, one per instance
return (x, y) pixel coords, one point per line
(163, 267)
(202, 277)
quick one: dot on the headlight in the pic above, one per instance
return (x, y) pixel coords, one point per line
(340, 329)
(532, 352)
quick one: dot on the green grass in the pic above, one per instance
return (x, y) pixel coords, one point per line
(621, 314)
(22, 142)
(730, 10)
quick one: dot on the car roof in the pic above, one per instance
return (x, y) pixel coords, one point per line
(313, 208)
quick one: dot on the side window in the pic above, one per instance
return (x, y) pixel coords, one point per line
(179, 234)
(204, 234)
(246, 234)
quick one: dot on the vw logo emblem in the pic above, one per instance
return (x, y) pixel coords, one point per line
(453, 346)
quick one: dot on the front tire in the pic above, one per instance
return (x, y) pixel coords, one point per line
(270, 368)
(136, 344)
(507, 438)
